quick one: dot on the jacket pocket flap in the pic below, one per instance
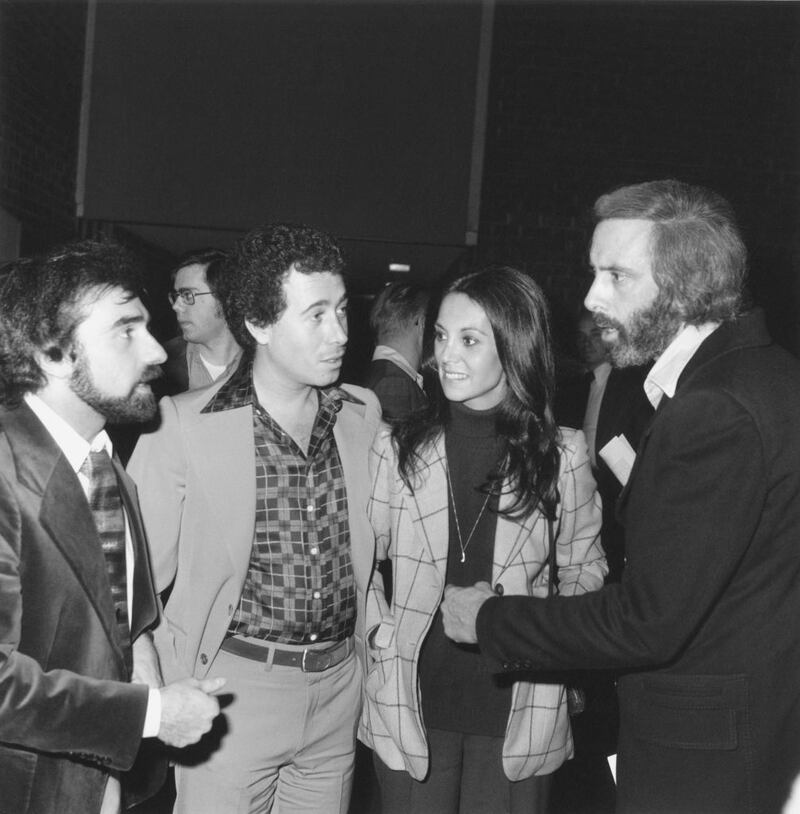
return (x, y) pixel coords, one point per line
(689, 712)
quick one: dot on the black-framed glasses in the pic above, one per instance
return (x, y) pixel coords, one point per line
(185, 295)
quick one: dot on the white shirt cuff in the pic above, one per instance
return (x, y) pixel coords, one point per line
(152, 720)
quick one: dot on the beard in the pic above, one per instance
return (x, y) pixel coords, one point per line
(646, 334)
(139, 406)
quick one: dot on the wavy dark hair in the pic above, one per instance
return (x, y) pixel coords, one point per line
(44, 299)
(258, 265)
(517, 311)
(699, 258)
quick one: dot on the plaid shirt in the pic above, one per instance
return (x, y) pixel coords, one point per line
(300, 586)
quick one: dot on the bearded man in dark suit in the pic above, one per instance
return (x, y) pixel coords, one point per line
(80, 685)
(704, 621)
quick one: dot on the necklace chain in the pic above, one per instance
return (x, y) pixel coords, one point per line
(461, 544)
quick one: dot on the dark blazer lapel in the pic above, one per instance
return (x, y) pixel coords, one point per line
(623, 495)
(64, 513)
(746, 331)
(66, 517)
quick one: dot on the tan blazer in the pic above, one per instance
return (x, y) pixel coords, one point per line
(196, 480)
(412, 530)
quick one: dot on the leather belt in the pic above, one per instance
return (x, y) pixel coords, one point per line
(307, 660)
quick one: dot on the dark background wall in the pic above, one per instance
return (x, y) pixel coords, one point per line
(588, 96)
(41, 66)
(583, 97)
(355, 117)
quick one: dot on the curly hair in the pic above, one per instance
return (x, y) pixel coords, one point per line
(517, 311)
(43, 300)
(259, 264)
(698, 256)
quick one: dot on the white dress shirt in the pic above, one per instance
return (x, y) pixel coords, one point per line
(663, 376)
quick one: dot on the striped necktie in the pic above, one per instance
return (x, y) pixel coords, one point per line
(106, 505)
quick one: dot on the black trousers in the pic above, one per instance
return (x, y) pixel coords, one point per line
(466, 777)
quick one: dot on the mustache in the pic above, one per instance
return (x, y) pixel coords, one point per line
(607, 322)
(151, 373)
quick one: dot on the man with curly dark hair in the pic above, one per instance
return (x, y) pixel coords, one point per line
(79, 679)
(254, 493)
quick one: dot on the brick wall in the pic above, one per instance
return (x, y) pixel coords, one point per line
(585, 97)
(41, 68)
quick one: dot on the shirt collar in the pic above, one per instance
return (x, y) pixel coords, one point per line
(238, 392)
(74, 446)
(663, 376)
(193, 353)
(391, 355)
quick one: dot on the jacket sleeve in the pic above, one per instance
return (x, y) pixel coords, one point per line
(686, 537)
(580, 558)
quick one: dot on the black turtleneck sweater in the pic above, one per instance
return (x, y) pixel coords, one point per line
(457, 690)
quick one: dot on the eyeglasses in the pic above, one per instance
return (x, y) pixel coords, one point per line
(185, 295)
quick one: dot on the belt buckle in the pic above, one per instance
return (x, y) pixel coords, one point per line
(322, 660)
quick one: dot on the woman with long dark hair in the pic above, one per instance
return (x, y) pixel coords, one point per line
(477, 486)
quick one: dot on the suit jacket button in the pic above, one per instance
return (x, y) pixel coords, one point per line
(203, 659)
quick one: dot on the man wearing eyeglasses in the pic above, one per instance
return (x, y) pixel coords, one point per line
(206, 350)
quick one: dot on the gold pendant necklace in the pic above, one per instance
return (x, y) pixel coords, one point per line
(461, 544)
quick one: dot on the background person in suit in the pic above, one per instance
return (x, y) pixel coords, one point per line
(463, 492)
(78, 674)
(704, 620)
(594, 354)
(254, 492)
(397, 321)
(614, 403)
(606, 402)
